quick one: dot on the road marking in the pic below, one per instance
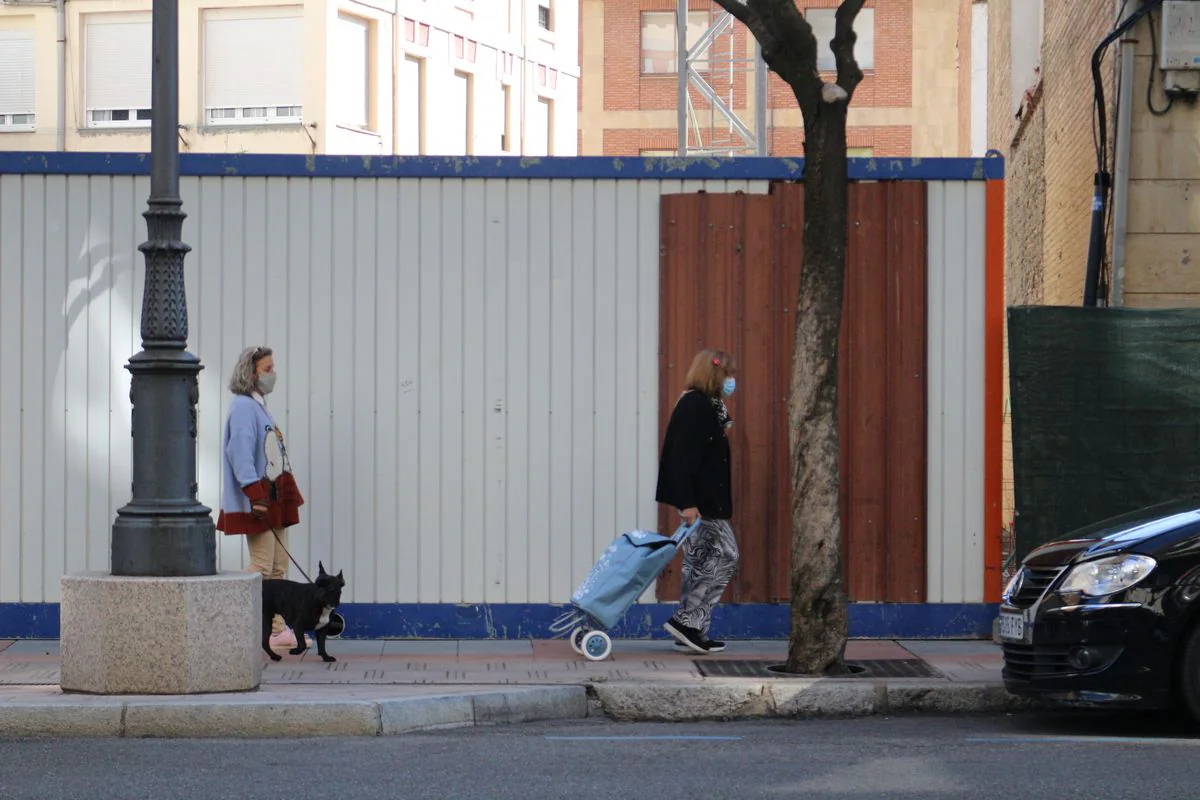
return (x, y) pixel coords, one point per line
(1080, 740)
(644, 738)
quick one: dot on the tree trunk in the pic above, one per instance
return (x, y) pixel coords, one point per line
(819, 617)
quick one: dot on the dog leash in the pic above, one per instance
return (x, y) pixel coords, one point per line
(287, 467)
(279, 542)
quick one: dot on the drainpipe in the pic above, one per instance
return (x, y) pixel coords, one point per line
(60, 9)
(1123, 134)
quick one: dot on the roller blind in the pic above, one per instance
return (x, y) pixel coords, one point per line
(16, 72)
(119, 61)
(350, 92)
(251, 63)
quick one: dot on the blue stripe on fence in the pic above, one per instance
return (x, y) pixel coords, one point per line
(643, 621)
(579, 167)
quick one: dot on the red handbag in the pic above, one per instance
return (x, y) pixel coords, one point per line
(287, 491)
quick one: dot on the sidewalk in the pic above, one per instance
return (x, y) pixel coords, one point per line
(381, 687)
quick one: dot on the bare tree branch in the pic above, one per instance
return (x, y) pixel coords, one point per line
(844, 37)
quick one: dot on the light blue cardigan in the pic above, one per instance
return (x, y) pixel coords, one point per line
(245, 459)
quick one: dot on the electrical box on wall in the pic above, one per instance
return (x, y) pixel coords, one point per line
(1180, 35)
(1180, 57)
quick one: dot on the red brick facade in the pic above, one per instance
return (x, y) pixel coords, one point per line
(626, 89)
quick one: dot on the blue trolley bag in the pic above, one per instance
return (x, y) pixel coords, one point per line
(624, 571)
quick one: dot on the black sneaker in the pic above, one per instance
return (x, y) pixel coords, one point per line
(688, 637)
(713, 646)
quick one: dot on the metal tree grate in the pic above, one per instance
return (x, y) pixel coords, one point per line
(878, 668)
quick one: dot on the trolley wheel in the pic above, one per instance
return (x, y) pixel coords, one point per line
(576, 639)
(596, 645)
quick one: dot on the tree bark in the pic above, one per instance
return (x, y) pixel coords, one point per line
(819, 617)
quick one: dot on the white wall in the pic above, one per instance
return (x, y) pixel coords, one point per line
(490, 30)
(468, 370)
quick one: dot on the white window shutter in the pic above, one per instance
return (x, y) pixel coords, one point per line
(252, 63)
(351, 54)
(119, 60)
(16, 72)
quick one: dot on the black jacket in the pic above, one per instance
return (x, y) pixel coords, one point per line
(694, 468)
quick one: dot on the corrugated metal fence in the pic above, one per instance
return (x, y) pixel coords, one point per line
(469, 364)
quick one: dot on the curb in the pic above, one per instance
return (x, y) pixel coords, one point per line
(798, 698)
(248, 717)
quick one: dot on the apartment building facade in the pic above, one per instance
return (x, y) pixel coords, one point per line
(923, 93)
(378, 77)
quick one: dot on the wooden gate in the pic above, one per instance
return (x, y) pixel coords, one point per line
(730, 271)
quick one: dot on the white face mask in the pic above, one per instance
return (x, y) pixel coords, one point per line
(266, 382)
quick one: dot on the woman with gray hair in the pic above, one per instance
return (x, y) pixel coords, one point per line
(250, 498)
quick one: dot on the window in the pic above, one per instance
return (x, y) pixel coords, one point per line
(117, 62)
(544, 17)
(253, 68)
(410, 106)
(659, 36)
(352, 67)
(506, 135)
(860, 152)
(822, 23)
(16, 80)
(541, 129)
(457, 112)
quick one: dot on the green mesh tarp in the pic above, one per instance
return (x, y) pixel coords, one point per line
(1105, 414)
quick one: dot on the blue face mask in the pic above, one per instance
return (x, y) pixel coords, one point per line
(730, 385)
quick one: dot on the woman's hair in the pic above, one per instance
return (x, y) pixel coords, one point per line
(709, 370)
(245, 371)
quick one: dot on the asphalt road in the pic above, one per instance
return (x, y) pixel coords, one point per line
(980, 758)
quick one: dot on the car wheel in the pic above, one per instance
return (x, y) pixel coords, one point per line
(1189, 673)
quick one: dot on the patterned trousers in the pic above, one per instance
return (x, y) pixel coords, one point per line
(710, 557)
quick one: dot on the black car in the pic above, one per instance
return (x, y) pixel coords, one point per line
(1108, 615)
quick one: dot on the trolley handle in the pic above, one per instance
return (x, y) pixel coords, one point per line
(685, 531)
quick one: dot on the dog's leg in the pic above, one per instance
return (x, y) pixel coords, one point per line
(266, 638)
(301, 641)
(321, 646)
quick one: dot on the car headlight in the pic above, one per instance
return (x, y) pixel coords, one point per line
(1106, 576)
(1012, 582)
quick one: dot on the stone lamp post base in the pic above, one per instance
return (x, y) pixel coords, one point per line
(135, 635)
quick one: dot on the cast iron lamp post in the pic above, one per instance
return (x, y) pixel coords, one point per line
(164, 531)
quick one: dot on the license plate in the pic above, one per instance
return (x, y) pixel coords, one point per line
(1012, 626)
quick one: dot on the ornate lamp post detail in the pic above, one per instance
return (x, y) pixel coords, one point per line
(164, 531)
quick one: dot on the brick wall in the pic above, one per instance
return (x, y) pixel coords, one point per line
(627, 89)
(635, 109)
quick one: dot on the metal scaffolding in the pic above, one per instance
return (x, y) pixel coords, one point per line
(714, 54)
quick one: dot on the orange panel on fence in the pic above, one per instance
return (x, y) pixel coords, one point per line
(730, 272)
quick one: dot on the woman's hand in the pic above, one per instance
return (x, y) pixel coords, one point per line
(258, 509)
(690, 515)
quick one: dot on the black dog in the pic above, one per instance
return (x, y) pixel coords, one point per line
(304, 607)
